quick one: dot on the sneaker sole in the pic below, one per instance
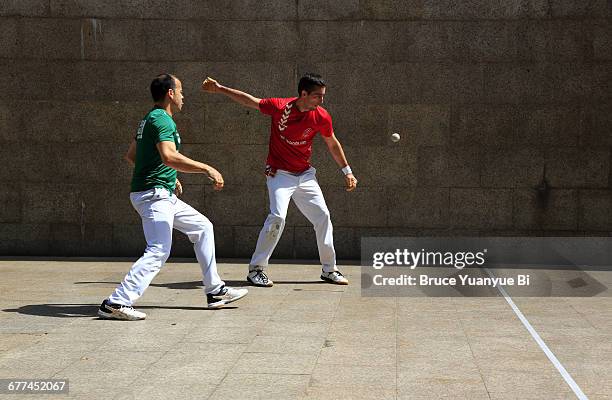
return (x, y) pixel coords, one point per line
(334, 282)
(270, 284)
(118, 317)
(221, 303)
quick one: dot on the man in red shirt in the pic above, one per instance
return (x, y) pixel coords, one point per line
(295, 122)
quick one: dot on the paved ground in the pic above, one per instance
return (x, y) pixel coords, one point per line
(300, 339)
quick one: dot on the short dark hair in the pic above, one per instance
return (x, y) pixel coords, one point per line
(160, 86)
(310, 82)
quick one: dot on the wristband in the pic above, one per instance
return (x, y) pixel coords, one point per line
(347, 170)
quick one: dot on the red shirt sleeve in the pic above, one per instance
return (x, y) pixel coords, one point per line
(326, 128)
(268, 106)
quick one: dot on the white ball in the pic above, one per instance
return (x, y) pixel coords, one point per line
(395, 137)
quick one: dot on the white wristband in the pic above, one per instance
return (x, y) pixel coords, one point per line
(347, 170)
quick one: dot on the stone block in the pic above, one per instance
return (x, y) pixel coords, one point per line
(485, 209)
(9, 39)
(442, 166)
(512, 167)
(229, 123)
(418, 207)
(357, 208)
(125, 39)
(178, 10)
(104, 203)
(602, 42)
(69, 240)
(96, 9)
(441, 83)
(595, 210)
(515, 83)
(11, 200)
(235, 41)
(469, 10)
(597, 130)
(577, 83)
(189, 40)
(554, 40)
(15, 158)
(128, 240)
(327, 11)
(456, 41)
(419, 125)
(578, 167)
(24, 239)
(555, 125)
(76, 163)
(557, 211)
(601, 88)
(590, 8)
(50, 39)
(52, 203)
(350, 86)
(488, 125)
(80, 122)
(236, 205)
(25, 8)
(48, 80)
(261, 79)
(486, 9)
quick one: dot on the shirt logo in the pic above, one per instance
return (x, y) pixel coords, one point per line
(307, 132)
(282, 124)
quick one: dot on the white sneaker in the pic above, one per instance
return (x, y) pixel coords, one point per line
(225, 296)
(259, 278)
(109, 310)
(334, 277)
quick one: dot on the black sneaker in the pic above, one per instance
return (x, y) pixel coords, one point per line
(109, 310)
(224, 296)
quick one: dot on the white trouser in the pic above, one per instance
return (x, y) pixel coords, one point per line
(307, 196)
(160, 212)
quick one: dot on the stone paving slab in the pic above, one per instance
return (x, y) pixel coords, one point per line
(301, 339)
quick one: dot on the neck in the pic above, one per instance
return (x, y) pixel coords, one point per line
(299, 103)
(165, 106)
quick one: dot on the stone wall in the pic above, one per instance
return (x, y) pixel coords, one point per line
(492, 99)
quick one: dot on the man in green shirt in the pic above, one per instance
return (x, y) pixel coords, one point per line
(154, 152)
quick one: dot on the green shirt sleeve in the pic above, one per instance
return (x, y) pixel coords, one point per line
(164, 129)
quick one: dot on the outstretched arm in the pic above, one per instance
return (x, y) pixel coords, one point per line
(212, 86)
(335, 148)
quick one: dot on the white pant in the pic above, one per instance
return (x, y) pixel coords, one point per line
(307, 196)
(160, 212)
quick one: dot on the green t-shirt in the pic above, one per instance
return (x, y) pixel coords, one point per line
(149, 170)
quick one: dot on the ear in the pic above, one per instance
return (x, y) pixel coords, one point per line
(303, 93)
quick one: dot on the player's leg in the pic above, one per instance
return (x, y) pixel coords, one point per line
(200, 232)
(280, 189)
(157, 213)
(309, 199)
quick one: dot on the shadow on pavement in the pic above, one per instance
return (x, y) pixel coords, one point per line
(87, 310)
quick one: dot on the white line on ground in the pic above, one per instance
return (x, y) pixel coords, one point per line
(553, 359)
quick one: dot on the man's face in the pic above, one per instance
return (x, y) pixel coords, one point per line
(313, 99)
(176, 96)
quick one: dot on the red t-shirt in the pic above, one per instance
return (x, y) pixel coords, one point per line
(292, 132)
